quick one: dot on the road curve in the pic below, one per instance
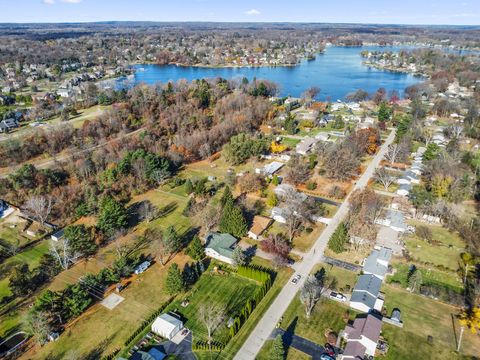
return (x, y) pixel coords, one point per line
(272, 316)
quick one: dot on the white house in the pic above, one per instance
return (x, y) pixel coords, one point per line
(220, 246)
(377, 262)
(404, 189)
(270, 169)
(366, 294)
(283, 189)
(167, 326)
(279, 214)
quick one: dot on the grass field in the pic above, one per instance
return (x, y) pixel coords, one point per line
(292, 354)
(229, 291)
(344, 279)
(423, 317)
(446, 253)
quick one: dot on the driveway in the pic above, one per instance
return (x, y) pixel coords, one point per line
(272, 316)
(341, 264)
(183, 350)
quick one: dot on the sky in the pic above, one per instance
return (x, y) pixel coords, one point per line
(429, 12)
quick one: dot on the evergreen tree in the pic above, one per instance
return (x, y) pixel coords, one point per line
(80, 239)
(338, 239)
(232, 221)
(227, 196)
(188, 186)
(171, 239)
(415, 280)
(195, 250)
(112, 217)
(238, 256)
(384, 112)
(277, 351)
(174, 282)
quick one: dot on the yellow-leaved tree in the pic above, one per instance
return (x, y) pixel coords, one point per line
(471, 319)
(277, 147)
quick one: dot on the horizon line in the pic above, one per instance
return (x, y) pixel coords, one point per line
(234, 22)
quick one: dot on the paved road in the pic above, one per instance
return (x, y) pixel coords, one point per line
(272, 316)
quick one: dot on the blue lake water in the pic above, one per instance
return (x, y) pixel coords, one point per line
(337, 72)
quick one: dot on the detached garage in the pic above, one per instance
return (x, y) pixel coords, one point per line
(167, 326)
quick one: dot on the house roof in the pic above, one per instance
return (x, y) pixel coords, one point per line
(363, 298)
(260, 223)
(282, 189)
(368, 283)
(396, 219)
(354, 349)
(167, 322)
(368, 326)
(222, 243)
(273, 167)
(375, 262)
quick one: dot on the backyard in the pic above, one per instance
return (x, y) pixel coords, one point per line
(226, 290)
(423, 317)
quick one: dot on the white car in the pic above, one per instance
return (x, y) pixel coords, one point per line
(142, 267)
(337, 296)
(296, 278)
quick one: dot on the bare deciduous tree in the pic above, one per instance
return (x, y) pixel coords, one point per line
(62, 251)
(393, 152)
(311, 293)
(384, 177)
(211, 315)
(39, 207)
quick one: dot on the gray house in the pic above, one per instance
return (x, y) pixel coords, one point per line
(366, 294)
(377, 262)
(8, 124)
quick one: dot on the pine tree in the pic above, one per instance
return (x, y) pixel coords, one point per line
(227, 196)
(338, 239)
(278, 350)
(415, 280)
(112, 217)
(174, 282)
(195, 250)
(171, 239)
(233, 222)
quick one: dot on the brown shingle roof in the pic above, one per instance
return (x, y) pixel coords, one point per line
(260, 223)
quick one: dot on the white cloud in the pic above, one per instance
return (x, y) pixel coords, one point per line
(253, 12)
(71, 1)
(49, 2)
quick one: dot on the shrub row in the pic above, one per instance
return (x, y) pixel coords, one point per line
(147, 322)
(112, 355)
(258, 274)
(203, 345)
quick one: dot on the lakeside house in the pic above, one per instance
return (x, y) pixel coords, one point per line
(220, 246)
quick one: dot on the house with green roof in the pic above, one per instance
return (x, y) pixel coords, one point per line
(220, 246)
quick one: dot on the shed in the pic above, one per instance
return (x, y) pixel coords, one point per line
(58, 235)
(260, 224)
(167, 326)
(396, 315)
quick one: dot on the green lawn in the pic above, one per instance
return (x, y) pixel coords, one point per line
(228, 290)
(327, 314)
(345, 280)
(290, 142)
(30, 256)
(444, 253)
(429, 276)
(280, 280)
(292, 354)
(12, 236)
(423, 317)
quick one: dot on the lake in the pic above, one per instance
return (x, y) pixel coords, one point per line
(337, 72)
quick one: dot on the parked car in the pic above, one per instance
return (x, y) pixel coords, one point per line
(337, 296)
(296, 278)
(142, 267)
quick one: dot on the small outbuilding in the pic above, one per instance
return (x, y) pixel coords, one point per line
(167, 326)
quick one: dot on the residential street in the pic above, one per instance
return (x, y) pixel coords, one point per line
(272, 316)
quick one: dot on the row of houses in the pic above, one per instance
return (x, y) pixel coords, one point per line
(363, 335)
(412, 174)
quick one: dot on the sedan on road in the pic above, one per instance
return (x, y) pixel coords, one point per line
(296, 278)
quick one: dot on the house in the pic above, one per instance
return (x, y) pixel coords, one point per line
(260, 224)
(167, 326)
(291, 103)
(270, 169)
(306, 145)
(404, 189)
(366, 294)
(152, 354)
(64, 92)
(377, 262)
(395, 220)
(283, 189)
(220, 246)
(58, 235)
(8, 124)
(280, 214)
(362, 336)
